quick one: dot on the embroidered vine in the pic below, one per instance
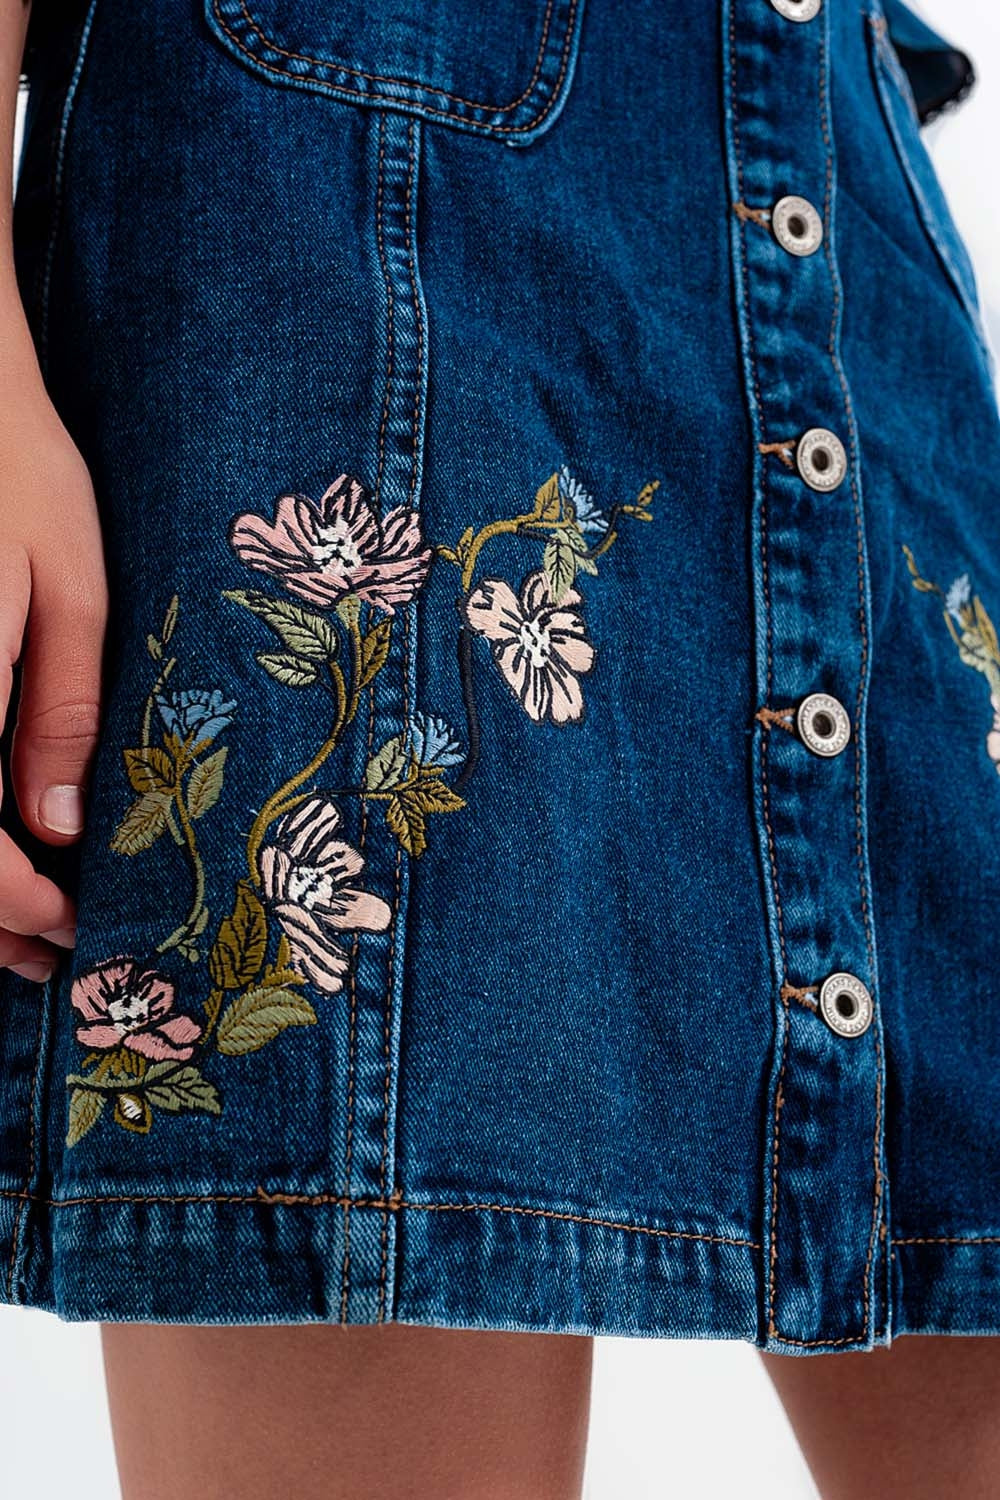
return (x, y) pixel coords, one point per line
(347, 571)
(974, 633)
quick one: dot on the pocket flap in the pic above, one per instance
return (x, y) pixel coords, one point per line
(501, 69)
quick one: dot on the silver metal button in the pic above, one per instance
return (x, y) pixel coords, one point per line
(797, 10)
(846, 1004)
(823, 724)
(820, 458)
(797, 226)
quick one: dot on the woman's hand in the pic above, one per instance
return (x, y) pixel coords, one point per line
(53, 610)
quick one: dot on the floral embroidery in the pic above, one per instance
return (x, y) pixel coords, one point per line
(540, 647)
(974, 634)
(124, 1004)
(323, 552)
(304, 894)
(306, 875)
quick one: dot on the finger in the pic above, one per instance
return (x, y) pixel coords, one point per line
(30, 904)
(59, 708)
(27, 956)
(15, 592)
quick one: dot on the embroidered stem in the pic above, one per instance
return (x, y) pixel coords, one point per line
(466, 668)
(188, 926)
(280, 802)
(507, 527)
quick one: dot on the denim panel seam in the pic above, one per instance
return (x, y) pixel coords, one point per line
(863, 665)
(393, 1204)
(427, 88)
(325, 85)
(406, 332)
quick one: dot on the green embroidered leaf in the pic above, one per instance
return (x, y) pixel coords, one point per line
(559, 563)
(85, 1108)
(374, 651)
(279, 976)
(578, 542)
(142, 824)
(170, 1087)
(153, 647)
(302, 631)
(149, 769)
(170, 620)
(388, 766)
(288, 669)
(548, 505)
(433, 795)
(406, 820)
(212, 1007)
(448, 554)
(256, 1018)
(205, 784)
(237, 954)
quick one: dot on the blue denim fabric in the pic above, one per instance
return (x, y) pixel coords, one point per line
(458, 885)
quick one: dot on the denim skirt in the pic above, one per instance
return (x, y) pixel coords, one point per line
(542, 864)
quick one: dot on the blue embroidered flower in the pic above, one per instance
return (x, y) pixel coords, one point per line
(195, 711)
(589, 516)
(957, 596)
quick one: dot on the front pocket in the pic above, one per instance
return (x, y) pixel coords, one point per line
(501, 69)
(899, 109)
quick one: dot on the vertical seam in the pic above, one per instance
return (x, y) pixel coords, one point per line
(370, 697)
(833, 347)
(419, 320)
(390, 309)
(394, 959)
(15, 1238)
(769, 680)
(57, 185)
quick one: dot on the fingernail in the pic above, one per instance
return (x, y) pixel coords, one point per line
(39, 972)
(61, 808)
(63, 937)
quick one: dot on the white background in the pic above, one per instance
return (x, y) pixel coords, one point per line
(669, 1417)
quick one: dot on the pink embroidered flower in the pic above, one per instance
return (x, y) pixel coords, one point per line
(339, 546)
(541, 647)
(307, 875)
(126, 1004)
(993, 737)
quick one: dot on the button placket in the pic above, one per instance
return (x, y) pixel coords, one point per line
(821, 1288)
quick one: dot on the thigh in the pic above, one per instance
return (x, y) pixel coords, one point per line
(320, 1411)
(916, 1421)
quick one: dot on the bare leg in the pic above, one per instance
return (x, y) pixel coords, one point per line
(340, 1413)
(917, 1421)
